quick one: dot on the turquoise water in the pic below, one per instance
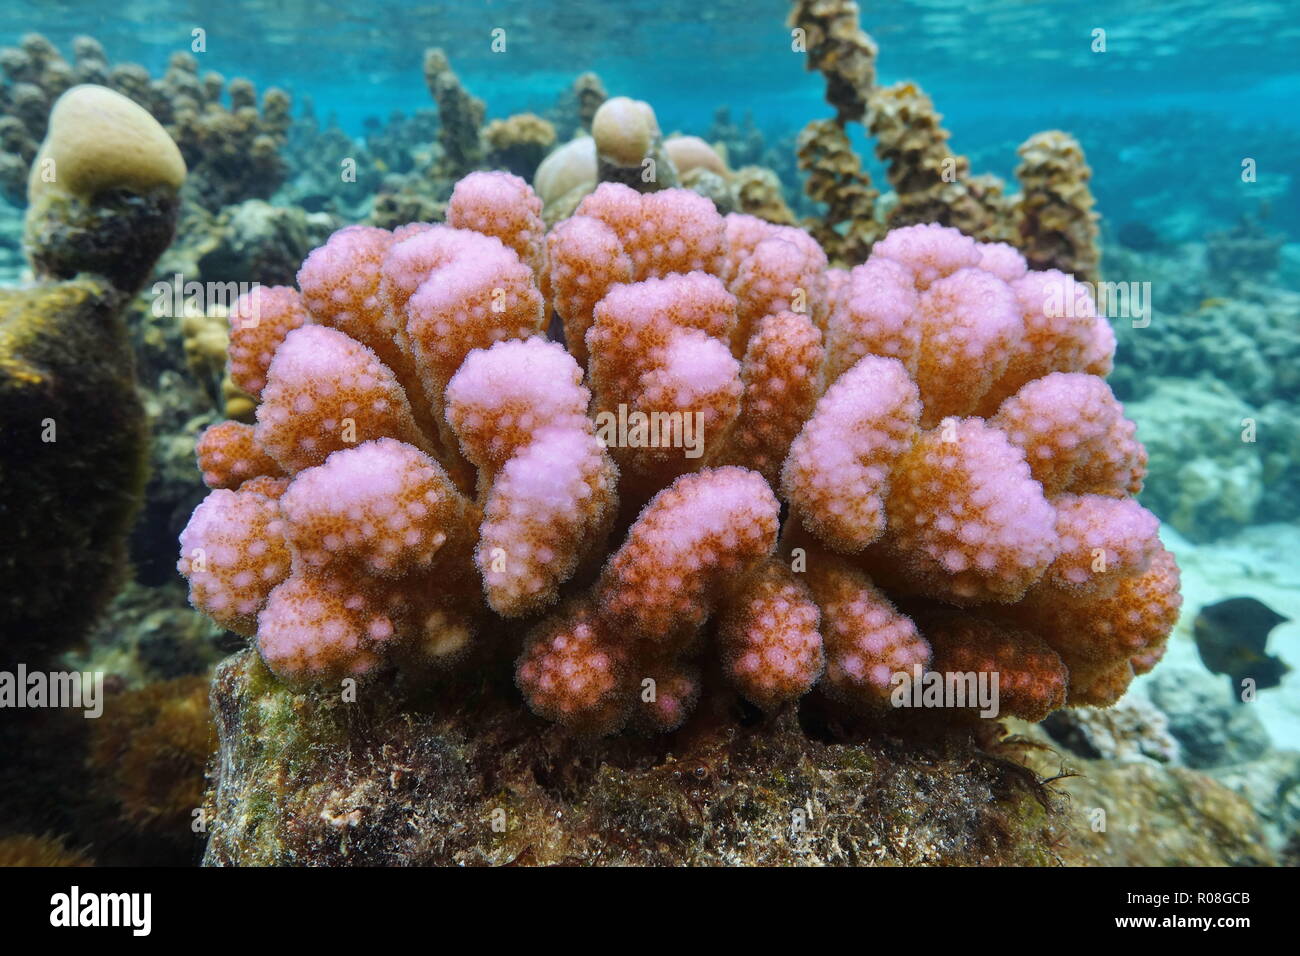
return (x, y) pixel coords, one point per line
(1193, 82)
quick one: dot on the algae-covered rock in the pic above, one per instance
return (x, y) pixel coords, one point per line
(464, 775)
(467, 776)
(1159, 816)
(1147, 813)
(72, 461)
(1272, 786)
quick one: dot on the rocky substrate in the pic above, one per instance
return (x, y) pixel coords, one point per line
(464, 775)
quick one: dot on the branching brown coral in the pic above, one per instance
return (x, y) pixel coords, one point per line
(929, 180)
(1051, 222)
(1055, 220)
(837, 46)
(757, 192)
(460, 114)
(835, 177)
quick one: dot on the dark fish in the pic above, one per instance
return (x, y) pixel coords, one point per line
(1232, 638)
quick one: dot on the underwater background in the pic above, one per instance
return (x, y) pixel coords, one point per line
(1183, 100)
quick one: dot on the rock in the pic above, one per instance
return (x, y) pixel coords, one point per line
(304, 779)
(72, 462)
(1272, 786)
(465, 775)
(1132, 730)
(1159, 816)
(1214, 730)
(1204, 478)
(258, 242)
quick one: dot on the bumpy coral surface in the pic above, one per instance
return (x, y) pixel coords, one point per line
(738, 466)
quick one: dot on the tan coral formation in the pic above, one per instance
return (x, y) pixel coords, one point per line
(1051, 220)
(1056, 224)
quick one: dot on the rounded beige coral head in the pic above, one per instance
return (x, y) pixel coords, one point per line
(624, 130)
(566, 168)
(691, 152)
(98, 140)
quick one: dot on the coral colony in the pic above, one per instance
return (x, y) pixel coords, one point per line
(911, 467)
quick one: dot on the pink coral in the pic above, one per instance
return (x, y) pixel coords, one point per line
(502, 205)
(867, 640)
(781, 384)
(426, 465)
(874, 314)
(234, 552)
(1031, 677)
(1101, 540)
(586, 259)
(340, 284)
(572, 673)
(259, 321)
(836, 476)
(967, 522)
(693, 546)
(660, 347)
(692, 541)
(229, 456)
(326, 391)
(769, 639)
(519, 410)
(930, 252)
(970, 324)
(784, 272)
(1074, 435)
(360, 526)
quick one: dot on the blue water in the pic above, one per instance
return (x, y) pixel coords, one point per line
(1024, 58)
(1215, 81)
